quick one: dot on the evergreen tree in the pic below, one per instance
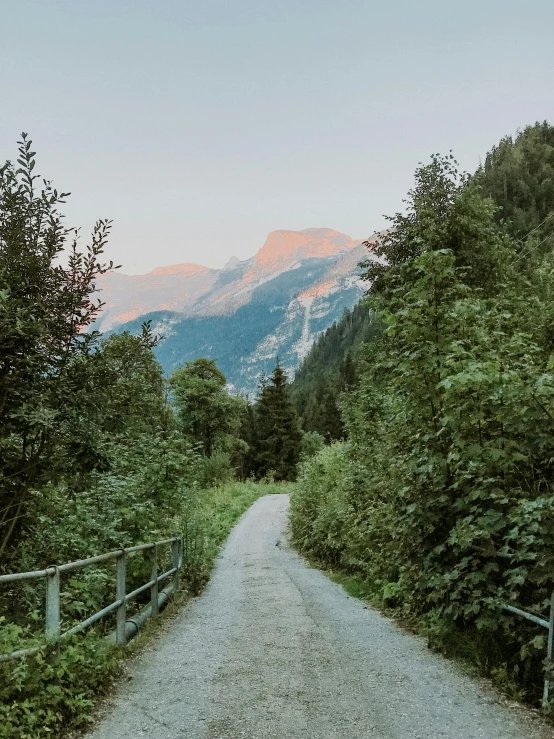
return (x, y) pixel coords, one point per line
(278, 429)
(330, 368)
(322, 413)
(347, 372)
(207, 412)
(246, 465)
(518, 176)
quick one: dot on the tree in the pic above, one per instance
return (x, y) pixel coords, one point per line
(45, 307)
(322, 412)
(207, 412)
(347, 372)
(278, 430)
(518, 175)
(444, 210)
(330, 366)
(442, 498)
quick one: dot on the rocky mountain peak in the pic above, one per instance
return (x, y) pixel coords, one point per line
(185, 270)
(233, 263)
(283, 248)
(245, 314)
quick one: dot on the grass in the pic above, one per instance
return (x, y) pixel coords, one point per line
(354, 586)
(55, 692)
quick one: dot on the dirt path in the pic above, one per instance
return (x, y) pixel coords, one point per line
(274, 650)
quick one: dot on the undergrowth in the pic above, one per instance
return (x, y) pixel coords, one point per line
(55, 691)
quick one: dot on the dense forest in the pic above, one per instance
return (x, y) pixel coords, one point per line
(328, 370)
(440, 500)
(98, 451)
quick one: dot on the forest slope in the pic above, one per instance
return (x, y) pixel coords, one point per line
(441, 501)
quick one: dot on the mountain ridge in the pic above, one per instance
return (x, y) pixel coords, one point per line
(192, 289)
(276, 302)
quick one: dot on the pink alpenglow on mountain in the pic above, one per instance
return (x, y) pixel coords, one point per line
(318, 290)
(283, 248)
(185, 270)
(176, 288)
(194, 290)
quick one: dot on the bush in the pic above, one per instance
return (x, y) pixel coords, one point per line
(47, 694)
(442, 500)
(214, 470)
(319, 505)
(44, 695)
(312, 443)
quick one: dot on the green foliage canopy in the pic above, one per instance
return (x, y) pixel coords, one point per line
(278, 436)
(44, 308)
(442, 498)
(208, 413)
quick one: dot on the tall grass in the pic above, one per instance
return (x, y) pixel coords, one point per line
(54, 691)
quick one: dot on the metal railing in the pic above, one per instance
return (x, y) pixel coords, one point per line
(52, 577)
(546, 625)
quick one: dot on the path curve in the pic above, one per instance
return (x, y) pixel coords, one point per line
(275, 650)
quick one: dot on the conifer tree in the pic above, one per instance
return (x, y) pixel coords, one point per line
(347, 372)
(278, 430)
(323, 414)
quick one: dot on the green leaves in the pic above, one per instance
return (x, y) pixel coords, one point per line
(208, 414)
(45, 308)
(443, 499)
(59, 686)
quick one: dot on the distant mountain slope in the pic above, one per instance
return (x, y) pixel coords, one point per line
(329, 367)
(275, 303)
(191, 289)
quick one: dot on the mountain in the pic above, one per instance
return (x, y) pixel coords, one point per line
(244, 315)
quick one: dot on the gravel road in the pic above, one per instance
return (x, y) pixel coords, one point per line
(275, 650)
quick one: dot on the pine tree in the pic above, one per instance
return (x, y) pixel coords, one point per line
(322, 413)
(278, 430)
(347, 372)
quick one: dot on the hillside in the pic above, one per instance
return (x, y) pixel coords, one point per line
(518, 178)
(244, 315)
(329, 368)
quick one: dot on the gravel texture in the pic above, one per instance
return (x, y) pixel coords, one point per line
(275, 650)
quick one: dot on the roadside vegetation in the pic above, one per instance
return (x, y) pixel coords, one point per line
(421, 425)
(440, 500)
(56, 690)
(98, 451)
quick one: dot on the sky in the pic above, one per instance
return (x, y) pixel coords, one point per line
(200, 126)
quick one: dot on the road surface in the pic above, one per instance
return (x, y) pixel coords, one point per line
(275, 650)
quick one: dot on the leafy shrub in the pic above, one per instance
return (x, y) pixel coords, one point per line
(214, 470)
(312, 442)
(55, 690)
(442, 500)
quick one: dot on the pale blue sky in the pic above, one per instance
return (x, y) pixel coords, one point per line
(201, 126)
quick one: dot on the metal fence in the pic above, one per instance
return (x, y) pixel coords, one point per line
(546, 625)
(52, 576)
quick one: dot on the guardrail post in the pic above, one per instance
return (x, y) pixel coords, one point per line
(52, 603)
(549, 649)
(154, 579)
(175, 557)
(121, 588)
